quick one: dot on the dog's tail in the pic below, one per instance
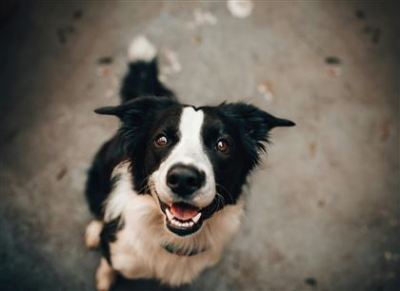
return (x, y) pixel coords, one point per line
(142, 76)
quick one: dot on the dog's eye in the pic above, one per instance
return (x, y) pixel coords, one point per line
(161, 140)
(222, 145)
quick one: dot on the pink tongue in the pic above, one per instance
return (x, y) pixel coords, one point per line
(183, 211)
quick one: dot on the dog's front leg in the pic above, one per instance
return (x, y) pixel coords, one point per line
(92, 235)
(105, 276)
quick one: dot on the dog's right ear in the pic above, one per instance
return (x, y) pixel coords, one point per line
(109, 110)
(137, 109)
(137, 116)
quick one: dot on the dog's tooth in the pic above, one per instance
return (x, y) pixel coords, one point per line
(196, 218)
(169, 214)
(175, 222)
(186, 224)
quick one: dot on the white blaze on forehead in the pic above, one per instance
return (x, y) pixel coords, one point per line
(188, 151)
(190, 128)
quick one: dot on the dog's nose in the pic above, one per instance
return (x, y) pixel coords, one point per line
(184, 180)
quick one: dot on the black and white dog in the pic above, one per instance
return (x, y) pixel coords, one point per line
(166, 189)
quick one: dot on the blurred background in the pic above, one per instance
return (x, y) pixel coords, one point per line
(323, 213)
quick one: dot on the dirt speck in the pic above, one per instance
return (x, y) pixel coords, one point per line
(103, 71)
(388, 256)
(63, 32)
(61, 173)
(334, 71)
(274, 254)
(334, 66)
(266, 89)
(312, 147)
(384, 130)
(196, 40)
(77, 14)
(106, 60)
(332, 60)
(311, 282)
(360, 14)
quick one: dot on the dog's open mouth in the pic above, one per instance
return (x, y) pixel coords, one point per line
(182, 218)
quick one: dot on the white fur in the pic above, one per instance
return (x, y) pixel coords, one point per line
(189, 151)
(92, 235)
(141, 49)
(121, 192)
(138, 251)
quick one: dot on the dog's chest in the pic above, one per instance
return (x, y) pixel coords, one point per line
(140, 248)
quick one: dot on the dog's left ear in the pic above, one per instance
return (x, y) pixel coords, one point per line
(255, 122)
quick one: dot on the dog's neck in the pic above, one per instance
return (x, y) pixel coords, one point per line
(173, 249)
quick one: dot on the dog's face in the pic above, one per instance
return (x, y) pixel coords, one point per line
(192, 160)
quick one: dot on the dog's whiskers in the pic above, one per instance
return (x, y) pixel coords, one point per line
(226, 191)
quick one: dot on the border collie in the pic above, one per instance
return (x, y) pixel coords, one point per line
(166, 189)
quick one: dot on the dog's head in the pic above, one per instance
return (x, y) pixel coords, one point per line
(192, 160)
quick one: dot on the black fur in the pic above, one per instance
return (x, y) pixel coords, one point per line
(244, 127)
(140, 80)
(99, 183)
(109, 235)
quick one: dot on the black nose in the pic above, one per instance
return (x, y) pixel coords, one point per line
(184, 180)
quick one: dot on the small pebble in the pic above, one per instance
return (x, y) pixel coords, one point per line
(78, 14)
(360, 14)
(240, 8)
(332, 60)
(105, 60)
(311, 282)
(388, 256)
(334, 71)
(266, 92)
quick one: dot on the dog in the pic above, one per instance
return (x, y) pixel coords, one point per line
(166, 189)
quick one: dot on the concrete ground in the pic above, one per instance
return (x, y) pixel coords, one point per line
(324, 209)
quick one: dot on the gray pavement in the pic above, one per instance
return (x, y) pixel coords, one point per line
(323, 212)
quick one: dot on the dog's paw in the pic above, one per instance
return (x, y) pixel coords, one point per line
(92, 235)
(105, 276)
